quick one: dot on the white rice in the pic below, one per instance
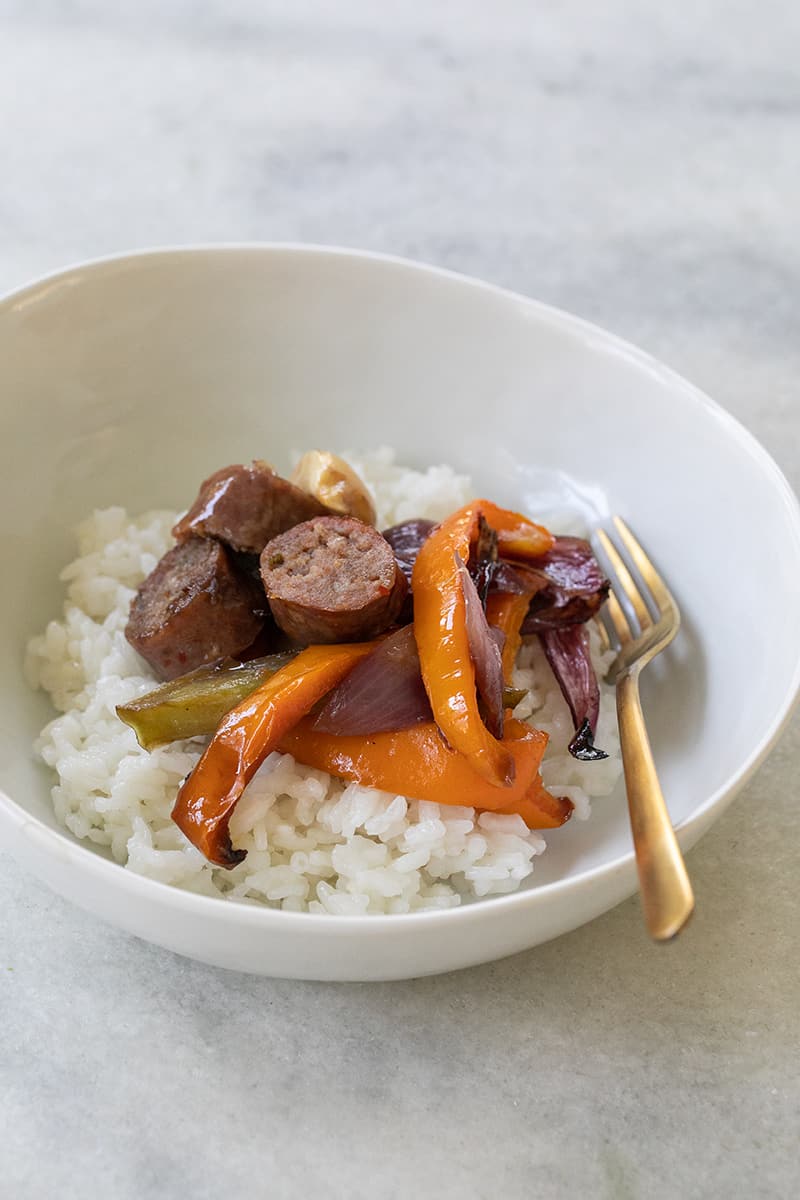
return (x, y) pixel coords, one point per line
(313, 843)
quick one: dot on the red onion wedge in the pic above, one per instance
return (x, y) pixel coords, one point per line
(568, 653)
(485, 653)
(516, 579)
(574, 587)
(406, 539)
(383, 693)
(483, 559)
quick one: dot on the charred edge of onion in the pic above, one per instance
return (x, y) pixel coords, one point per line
(485, 653)
(582, 745)
(485, 559)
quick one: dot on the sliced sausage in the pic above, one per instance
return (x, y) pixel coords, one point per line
(246, 506)
(195, 606)
(333, 579)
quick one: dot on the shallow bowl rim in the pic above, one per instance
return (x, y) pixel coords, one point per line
(61, 844)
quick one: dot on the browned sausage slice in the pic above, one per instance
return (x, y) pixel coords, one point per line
(246, 506)
(195, 606)
(333, 579)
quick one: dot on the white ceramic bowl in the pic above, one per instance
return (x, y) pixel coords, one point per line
(129, 380)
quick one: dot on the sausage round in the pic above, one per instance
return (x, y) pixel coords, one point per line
(194, 607)
(246, 506)
(332, 579)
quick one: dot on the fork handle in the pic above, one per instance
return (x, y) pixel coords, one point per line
(667, 897)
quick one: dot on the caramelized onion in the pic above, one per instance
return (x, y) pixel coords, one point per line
(485, 653)
(483, 559)
(406, 539)
(382, 694)
(573, 586)
(568, 653)
(516, 579)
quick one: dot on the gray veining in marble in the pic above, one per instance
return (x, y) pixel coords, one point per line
(640, 165)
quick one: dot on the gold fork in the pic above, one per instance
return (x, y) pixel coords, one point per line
(667, 897)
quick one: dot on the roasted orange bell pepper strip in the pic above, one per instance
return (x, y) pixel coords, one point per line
(441, 631)
(506, 611)
(417, 762)
(245, 737)
(517, 537)
(539, 809)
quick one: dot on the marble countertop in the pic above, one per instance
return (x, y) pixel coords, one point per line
(639, 166)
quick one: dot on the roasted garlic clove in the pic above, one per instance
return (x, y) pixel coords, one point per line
(335, 484)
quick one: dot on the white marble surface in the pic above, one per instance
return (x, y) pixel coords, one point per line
(637, 164)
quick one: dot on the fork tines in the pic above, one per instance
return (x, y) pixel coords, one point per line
(639, 617)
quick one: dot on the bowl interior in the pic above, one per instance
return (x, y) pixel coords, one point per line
(127, 382)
